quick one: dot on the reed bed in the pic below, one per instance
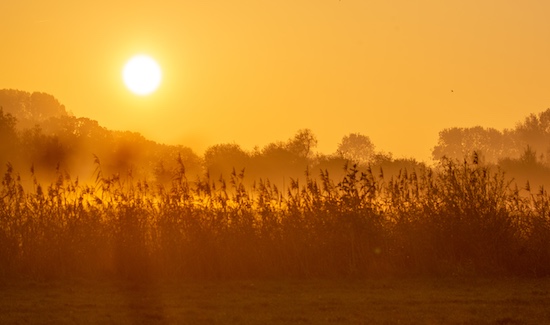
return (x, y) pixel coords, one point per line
(453, 219)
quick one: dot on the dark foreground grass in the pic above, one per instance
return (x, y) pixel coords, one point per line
(372, 301)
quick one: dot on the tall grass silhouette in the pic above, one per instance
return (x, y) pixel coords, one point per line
(459, 218)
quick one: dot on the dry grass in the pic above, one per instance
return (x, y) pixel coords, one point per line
(459, 219)
(373, 301)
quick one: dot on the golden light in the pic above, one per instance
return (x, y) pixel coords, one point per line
(142, 75)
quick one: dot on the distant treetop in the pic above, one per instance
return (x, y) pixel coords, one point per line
(30, 108)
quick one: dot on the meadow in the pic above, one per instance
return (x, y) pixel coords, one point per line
(284, 301)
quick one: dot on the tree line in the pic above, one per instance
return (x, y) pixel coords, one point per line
(37, 131)
(531, 134)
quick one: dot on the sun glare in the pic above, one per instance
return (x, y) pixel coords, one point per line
(142, 75)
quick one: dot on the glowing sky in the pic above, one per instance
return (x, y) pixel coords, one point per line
(255, 71)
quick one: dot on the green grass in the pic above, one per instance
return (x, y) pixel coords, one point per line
(344, 301)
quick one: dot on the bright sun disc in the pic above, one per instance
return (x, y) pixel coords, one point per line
(142, 75)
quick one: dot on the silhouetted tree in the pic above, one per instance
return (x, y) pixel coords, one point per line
(303, 143)
(489, 143)
(356, 147)
(221, 159)
(277, 156)
(43, 106)
(30, 108)
(534, 132)
(8, 137)
(277, 163)
(132, 154)
(45, 152)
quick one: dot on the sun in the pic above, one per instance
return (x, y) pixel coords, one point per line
(142, 75)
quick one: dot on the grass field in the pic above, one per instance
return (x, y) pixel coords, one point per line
(372, 301)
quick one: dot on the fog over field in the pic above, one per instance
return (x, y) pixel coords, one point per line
(79, 199)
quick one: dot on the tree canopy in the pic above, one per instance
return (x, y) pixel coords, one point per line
(36, 130)
(356, 147)
(494, 145)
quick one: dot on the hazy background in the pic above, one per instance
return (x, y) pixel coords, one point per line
(255, 72)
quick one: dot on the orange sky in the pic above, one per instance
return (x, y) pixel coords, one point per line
(255, 71)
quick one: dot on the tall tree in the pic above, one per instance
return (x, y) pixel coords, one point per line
(356, 147)
(303, 143)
